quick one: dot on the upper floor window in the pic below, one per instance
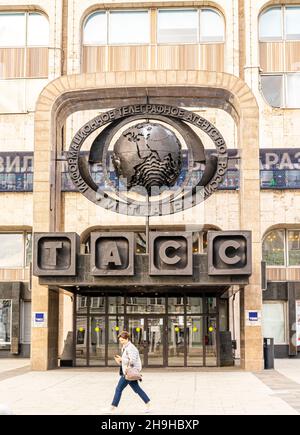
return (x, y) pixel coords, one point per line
(282, 248)
(280, 23)
(16, 250)
(161, 39)
(189, 26)
(117, 27)
(279, 36)
(23, 29)
(24, 41)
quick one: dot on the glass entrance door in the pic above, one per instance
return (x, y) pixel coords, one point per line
(147, 334)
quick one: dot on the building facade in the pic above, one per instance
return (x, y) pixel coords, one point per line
(235, 63)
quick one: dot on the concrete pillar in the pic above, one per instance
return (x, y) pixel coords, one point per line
(44, 341)
(251, 295)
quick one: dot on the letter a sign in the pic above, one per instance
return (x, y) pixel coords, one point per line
(112, 254)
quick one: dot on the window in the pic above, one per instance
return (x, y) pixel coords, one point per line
(95, 31)
(117, 27)
(282, 248)
(292, 26)
(270, 25)
(12, 30)
(177, 26)
(272, 89)
(5, 321)
(273, 248)
(16, 250)
(189, 26)
(24, 41)
(211, 26)
(294, 248)
(292, 90)
(129, 27)
(274, 321)
(279, 35)
(37, 31)
(280, 23)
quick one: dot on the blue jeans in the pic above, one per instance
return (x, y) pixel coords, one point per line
(122, 384)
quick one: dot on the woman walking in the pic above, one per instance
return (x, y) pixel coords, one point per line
(130, 358)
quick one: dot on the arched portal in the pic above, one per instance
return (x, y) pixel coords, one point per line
(70, 94)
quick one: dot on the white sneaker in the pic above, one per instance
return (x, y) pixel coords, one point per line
(147, 409)
(109, 410)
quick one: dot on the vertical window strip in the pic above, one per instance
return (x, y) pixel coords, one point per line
(24, 62)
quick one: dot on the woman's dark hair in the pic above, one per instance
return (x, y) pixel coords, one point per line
(125, 335)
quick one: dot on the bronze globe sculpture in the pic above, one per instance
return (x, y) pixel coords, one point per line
(148, 155)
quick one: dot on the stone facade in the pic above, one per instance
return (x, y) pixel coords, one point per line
(34, 111)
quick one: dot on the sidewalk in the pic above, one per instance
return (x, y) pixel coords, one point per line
(78, 391)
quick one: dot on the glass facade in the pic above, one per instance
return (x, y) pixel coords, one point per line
(168, 331)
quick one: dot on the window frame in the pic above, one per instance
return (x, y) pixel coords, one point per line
(286, 319)
(26, 17)
(283, 9)
(150, 20)
(107, 17)
(199, 39)
(286, 248)
(26, 47)
(24, 234)
(284, 88)
(3, 344)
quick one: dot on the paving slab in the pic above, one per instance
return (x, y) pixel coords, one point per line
(72, 391)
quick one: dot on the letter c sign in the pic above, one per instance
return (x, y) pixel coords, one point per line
(224, 252)
(229, 253)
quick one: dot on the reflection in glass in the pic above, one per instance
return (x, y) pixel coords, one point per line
(144, 305)
(38, 30)
(81, 341)
(273, 248)
(274, 325)
(293, 90)
(28, 249)
(95, 29)
(176, 341)
(97, 341)
(12, 30)
(176, 305)
(81, 304)
(155, 341)
(211, 26)
(194, 334)
(138, 334)
(129, 27)
(177, 26)
(271, 86)
(292, 26)
(194, 305)
(97, 305)
(12, 250)
(116, 305)
(212, 305)
(270, 24)
(294, 248)
(5, 321)
(115, 327)
(210, 330)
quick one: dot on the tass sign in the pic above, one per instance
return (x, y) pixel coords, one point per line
(113, 254)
